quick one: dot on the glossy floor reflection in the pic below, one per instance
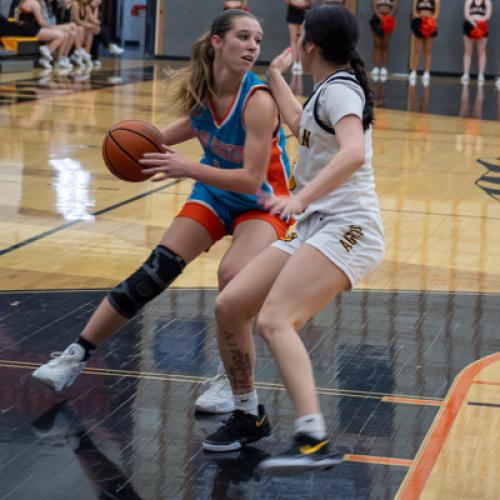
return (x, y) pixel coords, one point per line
(383, 362)
(444, 96)
(53, 83)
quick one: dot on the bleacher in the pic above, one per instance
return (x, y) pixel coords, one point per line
(17, 52)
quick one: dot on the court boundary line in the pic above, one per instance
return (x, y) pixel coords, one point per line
(194, 288)
(96, 213)
(415, 480)
(198, 379)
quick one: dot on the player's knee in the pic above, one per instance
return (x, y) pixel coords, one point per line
(223, 307)
(272, 323)
(225, 274)
(268, 323)
(155, 275)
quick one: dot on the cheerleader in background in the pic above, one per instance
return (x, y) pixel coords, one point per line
(382, 24)
(424, 29)
(477, 14)
(93, 16)
(294, 19)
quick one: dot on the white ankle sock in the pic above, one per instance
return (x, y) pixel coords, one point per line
(313, 425)
(247, 402)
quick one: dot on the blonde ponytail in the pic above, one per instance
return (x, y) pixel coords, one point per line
(194, 84)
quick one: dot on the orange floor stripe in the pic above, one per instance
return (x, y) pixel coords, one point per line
(485, 382)
(373, 459)
(417, 476)
(410, 401)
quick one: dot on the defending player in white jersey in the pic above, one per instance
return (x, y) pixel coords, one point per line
(339, 241)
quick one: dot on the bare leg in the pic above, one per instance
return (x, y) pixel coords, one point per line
(427, 54)
(384, 51)
(481, 50)
(415, 53)
(186, 238)
(377, 59)
(235, 310)
(283, 313)
(468, 43)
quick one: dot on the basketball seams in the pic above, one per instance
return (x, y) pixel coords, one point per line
(135, 132)
(111, 167)
(122, 151)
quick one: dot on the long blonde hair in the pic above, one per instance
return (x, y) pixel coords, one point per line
(195, 83)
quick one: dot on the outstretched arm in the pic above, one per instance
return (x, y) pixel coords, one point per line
(351, 156)
(288, 104)
(260, 119)
(177, 132)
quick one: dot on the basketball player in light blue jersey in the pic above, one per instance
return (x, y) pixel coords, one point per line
(237, 122)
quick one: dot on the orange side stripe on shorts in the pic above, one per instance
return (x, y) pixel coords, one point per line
(206, 217)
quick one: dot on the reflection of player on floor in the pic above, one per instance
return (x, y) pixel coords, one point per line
(60, 424)
(236, 120)
(339, 241)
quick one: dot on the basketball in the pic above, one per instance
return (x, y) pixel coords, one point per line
(124, 145)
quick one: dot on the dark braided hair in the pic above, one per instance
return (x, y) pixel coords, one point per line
(335, 31)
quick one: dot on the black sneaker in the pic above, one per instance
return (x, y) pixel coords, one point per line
(239, 466)
(240, 429)
(305, 454)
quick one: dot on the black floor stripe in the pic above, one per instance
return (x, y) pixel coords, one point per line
(476, 403)
(54, 230)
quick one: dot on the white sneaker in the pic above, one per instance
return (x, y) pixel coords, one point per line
(63, 64)
(375, 72)
(84, 54)
(465, 79)
(480, 79)
(77, 60)
(426, 78)
(497, 83)
(297, 68)
(114, 49)
(44, 63)
(383, 74)
(62, 371)
(412, 77)
(218, 397)
(96, 63)
(45, 52)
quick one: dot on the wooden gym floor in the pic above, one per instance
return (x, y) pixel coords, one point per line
(408, 365)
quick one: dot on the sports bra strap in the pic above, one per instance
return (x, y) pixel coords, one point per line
(318, 90)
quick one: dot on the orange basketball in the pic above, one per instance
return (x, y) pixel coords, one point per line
(125, 143)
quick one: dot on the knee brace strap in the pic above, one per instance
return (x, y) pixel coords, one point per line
(156, 274)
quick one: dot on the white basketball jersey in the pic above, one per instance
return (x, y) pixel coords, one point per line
(338, 96)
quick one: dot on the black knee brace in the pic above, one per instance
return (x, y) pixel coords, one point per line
(156, 274)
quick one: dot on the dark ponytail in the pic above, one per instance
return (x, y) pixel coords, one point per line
(335, 31)
(358, 67)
